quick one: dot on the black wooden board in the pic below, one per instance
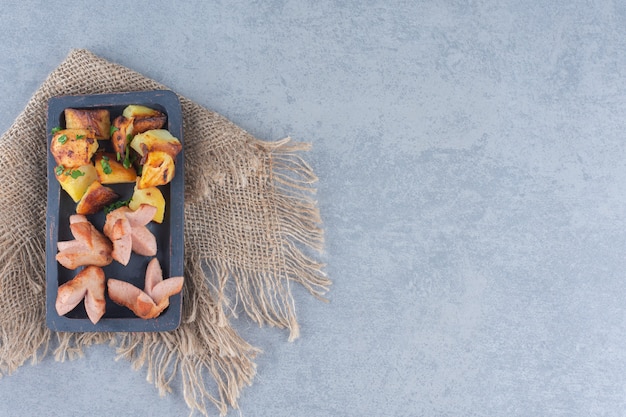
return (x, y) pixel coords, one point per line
(169, 234)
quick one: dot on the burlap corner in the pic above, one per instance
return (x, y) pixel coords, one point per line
(249, 218)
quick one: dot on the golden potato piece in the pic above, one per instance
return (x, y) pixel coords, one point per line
(145, 118)
(158, 169)
(98, 121)
(111, 171)
(121, 136)
(135, 110)
(76, 180)
(72, 148)
(156, 140)
(95, 198)
(144, 124)
(151, 196)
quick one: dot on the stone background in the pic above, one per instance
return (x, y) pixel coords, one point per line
(471, 162)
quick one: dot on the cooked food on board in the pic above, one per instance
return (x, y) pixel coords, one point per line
(111, 171)
(128, 232)
(96, 197)
(88, 284)
(150, 302)
(75, 181)
(89, 247)
(140, 152)
(151, 196)
(73, 147)
(144, 118)
(98, 121)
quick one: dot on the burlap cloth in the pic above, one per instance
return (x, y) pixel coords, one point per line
(250, 229)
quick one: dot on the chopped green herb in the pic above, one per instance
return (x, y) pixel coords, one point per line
(129, 137)
(114, 129)
(106, 167)
(106, 158)
(62, 139)
(128, 161)
(55, 129)
(59, 169)
(80, 137)
(116, 205)
(76, 173)
(118, 156)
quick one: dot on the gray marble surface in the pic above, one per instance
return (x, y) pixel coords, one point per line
(472, 177)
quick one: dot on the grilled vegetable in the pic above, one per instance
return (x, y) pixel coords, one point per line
(73, 147)
(121, 135)
(158, 169)
(76, 180)
(110, 171)
(144, 117)
(156, 140)
(138, 111)
(95, 198)
(151, 196)
(98, 121)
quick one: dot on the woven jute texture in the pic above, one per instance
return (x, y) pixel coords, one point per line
(252, 229)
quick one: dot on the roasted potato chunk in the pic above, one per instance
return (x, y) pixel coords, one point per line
(111, 171)
(98, 121)
(158, 169)
(151, 196)
(76, 180)
(95, 198)
(122, 134)
(156, 140)
(145, 118)
(72, 148)
(138, 111)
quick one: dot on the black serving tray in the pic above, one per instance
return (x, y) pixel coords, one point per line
(169, 234)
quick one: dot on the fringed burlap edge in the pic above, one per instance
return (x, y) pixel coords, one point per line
(264, 294)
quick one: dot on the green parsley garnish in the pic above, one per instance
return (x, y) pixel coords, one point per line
(129, 137)
(76, 173)
(55, 129)
(116, 205)
(60, 170)
(118, 156)
(113, 130)
(80, 137)
(106, 167)
(62, 139)
(128, 162)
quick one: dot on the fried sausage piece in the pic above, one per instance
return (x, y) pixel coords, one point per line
(88, 284)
